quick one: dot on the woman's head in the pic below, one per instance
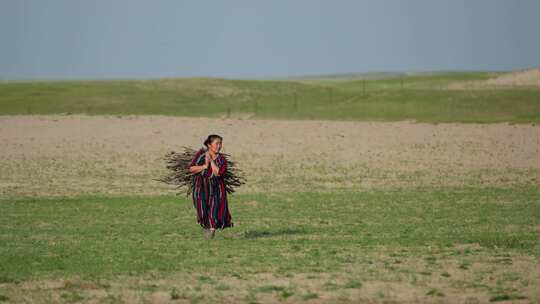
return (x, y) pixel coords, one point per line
(213, 142)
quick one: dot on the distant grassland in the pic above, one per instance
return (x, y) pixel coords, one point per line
(420, 97)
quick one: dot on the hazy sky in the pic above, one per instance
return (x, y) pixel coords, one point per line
(61, 39)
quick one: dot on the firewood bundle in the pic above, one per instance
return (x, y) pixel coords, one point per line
(178, 163)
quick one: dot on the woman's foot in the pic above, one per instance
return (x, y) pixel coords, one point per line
(206, 233)
(212, 232)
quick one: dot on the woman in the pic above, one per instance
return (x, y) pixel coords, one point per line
(209, 194)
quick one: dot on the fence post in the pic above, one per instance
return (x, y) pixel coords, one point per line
(363, 88)
(295, 101)
(330, 95)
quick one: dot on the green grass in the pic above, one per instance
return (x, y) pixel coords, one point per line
(97, 237)
(310, 245)
(415, 97)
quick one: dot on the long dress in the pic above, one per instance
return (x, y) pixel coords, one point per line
(209, 195)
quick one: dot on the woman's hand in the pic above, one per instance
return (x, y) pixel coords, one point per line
(197, 169)
(214, 167)
(206, 159)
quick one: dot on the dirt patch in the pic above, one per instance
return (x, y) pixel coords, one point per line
(69, 155)
(252, 203)
(519, 79)
(530, 77)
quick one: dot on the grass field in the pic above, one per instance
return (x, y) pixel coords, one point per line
(411, 97)
(351, 207)
(334, 247)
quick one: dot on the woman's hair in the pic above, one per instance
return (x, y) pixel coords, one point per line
(211, 138)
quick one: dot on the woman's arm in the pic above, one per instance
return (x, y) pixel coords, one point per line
(196, 169)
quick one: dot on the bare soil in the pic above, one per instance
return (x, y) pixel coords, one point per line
(530, 77)
(527, 78)
(68, 155)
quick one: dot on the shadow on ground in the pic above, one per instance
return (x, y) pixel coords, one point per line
(267, 233)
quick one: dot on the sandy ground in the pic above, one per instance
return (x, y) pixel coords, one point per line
(69, 155)
(529, 77)
(518, 79)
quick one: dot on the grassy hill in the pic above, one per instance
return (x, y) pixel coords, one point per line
(392, 96)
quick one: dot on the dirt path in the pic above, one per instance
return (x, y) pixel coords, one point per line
(54, 155)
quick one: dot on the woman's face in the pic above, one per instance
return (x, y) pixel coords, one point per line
(215, 145)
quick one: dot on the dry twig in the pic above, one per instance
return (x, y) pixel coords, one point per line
(178, 165)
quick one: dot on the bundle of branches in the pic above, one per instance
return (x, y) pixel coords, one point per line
(178, 166)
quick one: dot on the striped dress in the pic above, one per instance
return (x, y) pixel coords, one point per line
(209, 195)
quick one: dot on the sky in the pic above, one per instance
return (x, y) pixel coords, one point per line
(242, 39)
